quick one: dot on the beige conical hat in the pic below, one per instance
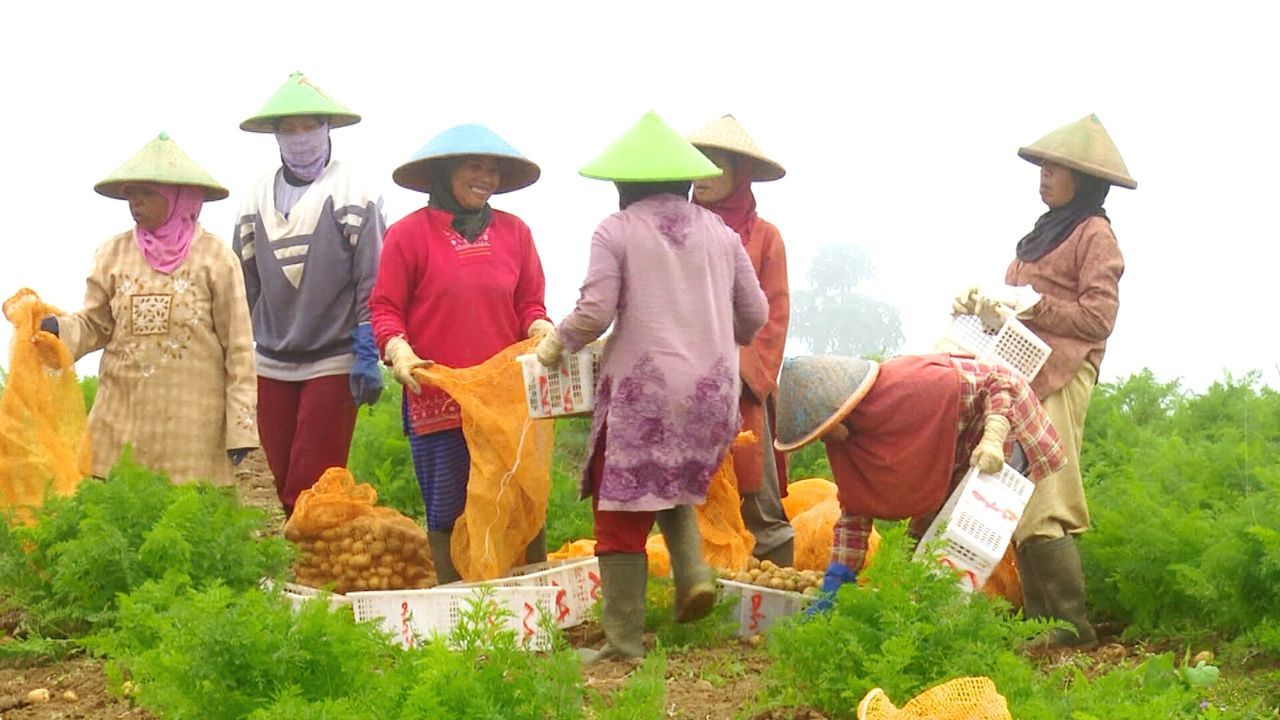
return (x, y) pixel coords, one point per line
(727, 134)
(1083, 145)
(160, 161)
(815, 393)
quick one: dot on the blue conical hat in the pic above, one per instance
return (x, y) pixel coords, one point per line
(515, 169)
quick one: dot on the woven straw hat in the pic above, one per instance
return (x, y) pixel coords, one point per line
(1083, 145)
(651, 151)
(728, 135)
(515, 169)
(816, 393)
(299, 96)
(160, 161)
(966, 698)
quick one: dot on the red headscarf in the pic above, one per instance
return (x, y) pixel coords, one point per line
(738, 209)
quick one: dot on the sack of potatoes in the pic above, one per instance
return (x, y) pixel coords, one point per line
(378, 551)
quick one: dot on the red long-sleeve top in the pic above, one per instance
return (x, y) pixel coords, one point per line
(456, 302)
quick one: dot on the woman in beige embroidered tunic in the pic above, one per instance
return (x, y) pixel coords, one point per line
(165, 303)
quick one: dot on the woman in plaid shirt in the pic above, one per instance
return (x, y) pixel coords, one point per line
(901, 434)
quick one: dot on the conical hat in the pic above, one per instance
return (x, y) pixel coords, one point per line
(299, 96)
(815, 393)
(516, 170)
(650, 152)
(1083, 145)
(160, 161)
(727, 134)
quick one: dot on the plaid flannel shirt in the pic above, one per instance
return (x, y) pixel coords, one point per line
(985, 389)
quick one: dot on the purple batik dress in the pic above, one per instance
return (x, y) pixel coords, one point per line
(681, 294)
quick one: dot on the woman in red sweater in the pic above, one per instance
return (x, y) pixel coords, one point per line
(458, 282)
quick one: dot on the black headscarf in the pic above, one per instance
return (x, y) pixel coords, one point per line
(629, 192)
(468, 223)
(1054, 226)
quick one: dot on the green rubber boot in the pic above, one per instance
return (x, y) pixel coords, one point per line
(440, 541)
(536, 552)
(695, 589)
(1058, 577)
(623, 577)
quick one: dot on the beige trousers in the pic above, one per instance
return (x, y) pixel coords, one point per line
(1058, 506)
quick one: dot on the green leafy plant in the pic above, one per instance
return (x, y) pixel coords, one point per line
(380, 453)
(719, 626)
(643, 695)
(63, 575)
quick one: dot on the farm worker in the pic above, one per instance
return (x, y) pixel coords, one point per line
(165, 303)
(1072, 264)
(761, 471)
(459, 282)
(678, 288)
(901, 434)
(308, 235)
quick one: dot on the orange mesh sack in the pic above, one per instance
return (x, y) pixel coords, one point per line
(44, 443)
(347, 541)
(968, 698)
(815, 531)
(510, 477)
(726, 542)
(575, 549)
(1005, 581)
(655, 549)
(804, 494)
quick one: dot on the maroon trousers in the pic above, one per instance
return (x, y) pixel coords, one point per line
(616, 531)
(305, 428)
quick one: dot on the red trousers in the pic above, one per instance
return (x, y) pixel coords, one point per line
(617, 531)
(305, 428)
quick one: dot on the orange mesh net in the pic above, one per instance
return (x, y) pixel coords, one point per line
(574, 549)
(813, 510)
(804, 494)
(44, 443)
(968, 698)
(1005, 581)
(510, 478)
(347, 541)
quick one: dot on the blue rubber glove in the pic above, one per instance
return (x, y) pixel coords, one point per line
(50, 325)
(366, 378)
(237, 455)
(835, 576)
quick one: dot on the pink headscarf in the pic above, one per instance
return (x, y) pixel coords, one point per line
(738, 209)
(166, 247)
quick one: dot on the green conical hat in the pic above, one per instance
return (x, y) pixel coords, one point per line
(728, 134)
(1083, 145)
(299, 96)
(160, 161)
(650, 152)
(815, 393)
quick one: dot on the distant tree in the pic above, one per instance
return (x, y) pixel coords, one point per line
(832, 317)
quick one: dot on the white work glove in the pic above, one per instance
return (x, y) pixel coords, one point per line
(403, 362)
(965, 302)
(549, 350)
(1018, 298)
(539, 327)
(988, 456)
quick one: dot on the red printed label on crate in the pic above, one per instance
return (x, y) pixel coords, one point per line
(562, 607)
(757, 602)
(544, 393)
(966, 575)
(595, 585)
(527, 623)
(406, 620)
(995, 507)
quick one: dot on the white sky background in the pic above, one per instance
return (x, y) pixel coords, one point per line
(898, 124)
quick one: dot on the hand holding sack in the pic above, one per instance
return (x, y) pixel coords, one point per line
(403, 363)
(348, 542)
(540, 327)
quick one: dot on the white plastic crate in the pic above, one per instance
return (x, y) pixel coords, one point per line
(576, 582)
(569, 389)
(1013, 344)
(413, 616)
(975, 525)
(760, 607)
(298, 594)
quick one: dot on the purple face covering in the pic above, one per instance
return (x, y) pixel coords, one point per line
(305, 153)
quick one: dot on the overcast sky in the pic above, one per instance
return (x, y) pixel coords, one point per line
(898, 124)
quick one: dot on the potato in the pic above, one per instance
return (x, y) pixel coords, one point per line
(753, 562)
(395, 582)
(360, 560)
(768, 566)
(776, 584)
(789, 585)
(742, 577)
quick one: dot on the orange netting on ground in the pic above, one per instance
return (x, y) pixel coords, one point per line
(968, 698)
(510, 478)
(347, 541)
(813, 510)
(44, 442)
